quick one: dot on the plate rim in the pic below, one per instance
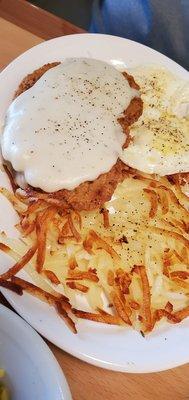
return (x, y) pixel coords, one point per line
(45, 43)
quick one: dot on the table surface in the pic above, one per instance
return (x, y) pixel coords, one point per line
(86, 381)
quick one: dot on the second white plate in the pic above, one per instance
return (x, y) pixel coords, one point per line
(32, 372)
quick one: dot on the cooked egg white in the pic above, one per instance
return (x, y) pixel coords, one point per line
(160, 138)
(64, 130)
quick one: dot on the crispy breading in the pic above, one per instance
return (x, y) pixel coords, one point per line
(90, 195)
(32, 78)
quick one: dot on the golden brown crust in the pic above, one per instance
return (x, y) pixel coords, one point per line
(32, 78)
(131, 115)
(131, 81)
(90, 195)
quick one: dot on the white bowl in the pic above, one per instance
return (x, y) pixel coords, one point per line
(32, 371)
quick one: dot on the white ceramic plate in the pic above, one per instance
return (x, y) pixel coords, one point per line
(110, 347)
(32, 372)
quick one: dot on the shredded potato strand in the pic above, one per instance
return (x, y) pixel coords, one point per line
(42, 223)
(154, 202)
(103, 318)
(20, 264)
(11, 286)
(140, 269)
